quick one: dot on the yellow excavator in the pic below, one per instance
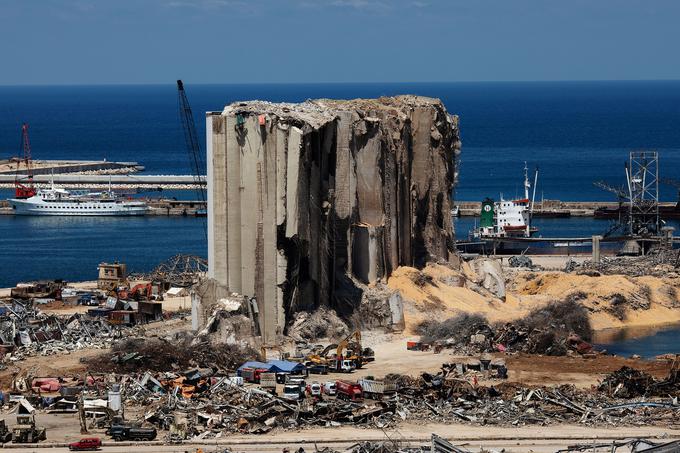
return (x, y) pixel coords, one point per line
(348, 350)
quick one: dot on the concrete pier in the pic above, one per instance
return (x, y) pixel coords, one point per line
(177, 182)
(47, 167)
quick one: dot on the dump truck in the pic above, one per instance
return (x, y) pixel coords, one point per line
(293, 392)
(376, 389)
(252, 374)
(350, 391)
(268, 380)
(25, 431)
(127, 432)
(342, 366)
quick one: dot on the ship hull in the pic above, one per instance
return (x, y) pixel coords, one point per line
(103, 209)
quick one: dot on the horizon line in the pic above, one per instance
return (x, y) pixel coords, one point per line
(433, 82)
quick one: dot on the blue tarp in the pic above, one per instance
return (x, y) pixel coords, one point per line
(284, 366)
(274, 366)
(253, 364)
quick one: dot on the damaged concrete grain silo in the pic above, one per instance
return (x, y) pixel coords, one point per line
(307, 200)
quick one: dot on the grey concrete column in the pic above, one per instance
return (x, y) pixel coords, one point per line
(596, 249)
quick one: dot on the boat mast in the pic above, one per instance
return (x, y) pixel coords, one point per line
(527, 184)
(533, 199)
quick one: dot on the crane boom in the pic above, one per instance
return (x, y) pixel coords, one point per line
(193, 144)
(25, 190)
(609, 188)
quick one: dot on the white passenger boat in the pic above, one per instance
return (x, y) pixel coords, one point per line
(61, 202)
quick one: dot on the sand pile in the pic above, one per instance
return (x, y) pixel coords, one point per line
(439, 292)
(613, 300)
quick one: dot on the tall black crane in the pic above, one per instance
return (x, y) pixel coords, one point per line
(193, 148)
(621, 196)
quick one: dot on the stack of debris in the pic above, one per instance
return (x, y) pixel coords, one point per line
(631, 383)
(31, 332)
(552, 330)
(179, 271)
(659, 262)
(444, 397)
(156, 354)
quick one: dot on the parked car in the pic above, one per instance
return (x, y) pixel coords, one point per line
(88, 443)
(330, 389)
(314, 389)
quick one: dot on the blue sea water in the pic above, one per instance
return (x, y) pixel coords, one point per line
(575, 132)
(646, 343)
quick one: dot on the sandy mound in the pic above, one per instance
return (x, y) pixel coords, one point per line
(613, 300)
(439, 292)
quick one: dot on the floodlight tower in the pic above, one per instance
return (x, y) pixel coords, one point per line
(642, 174)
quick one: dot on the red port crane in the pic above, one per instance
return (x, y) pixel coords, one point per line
(21, 189)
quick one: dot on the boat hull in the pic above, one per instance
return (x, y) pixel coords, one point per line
(22, 207)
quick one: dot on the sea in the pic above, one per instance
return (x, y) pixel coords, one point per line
(575, 133)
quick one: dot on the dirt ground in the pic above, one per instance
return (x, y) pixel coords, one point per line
(64, 428)
(531, 370)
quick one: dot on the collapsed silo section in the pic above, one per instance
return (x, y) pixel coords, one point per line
(309, 201)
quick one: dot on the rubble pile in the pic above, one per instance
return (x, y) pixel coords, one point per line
(26, 332)
(457, 330)
(658, 262)
(520, 261)
(178, 271)
(631, 383)
(323, 322)
(552, 330)
(224, 407)
(157, 354)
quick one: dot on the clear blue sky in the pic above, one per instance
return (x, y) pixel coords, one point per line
(232, 41)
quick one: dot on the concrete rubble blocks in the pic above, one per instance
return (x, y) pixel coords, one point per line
(305, 200)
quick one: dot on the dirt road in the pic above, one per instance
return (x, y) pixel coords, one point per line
(523, 439)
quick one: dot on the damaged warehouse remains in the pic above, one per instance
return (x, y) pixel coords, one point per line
(309, 203)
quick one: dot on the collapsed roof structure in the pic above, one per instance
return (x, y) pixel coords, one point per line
(309, 201)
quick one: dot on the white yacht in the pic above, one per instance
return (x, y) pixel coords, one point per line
(60, 202)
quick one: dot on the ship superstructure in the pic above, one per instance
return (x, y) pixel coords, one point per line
(507, 218)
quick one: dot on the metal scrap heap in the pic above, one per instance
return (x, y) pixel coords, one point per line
(217, 404)
(659, 262)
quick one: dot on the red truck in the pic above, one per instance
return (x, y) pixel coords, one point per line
(88, 443)
(252, 374)
(350, 391)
